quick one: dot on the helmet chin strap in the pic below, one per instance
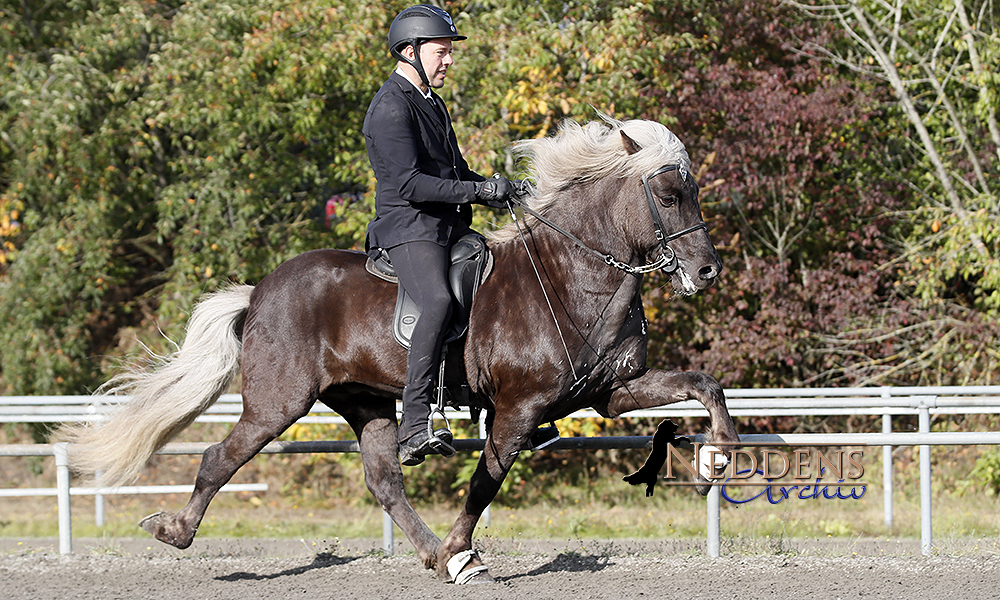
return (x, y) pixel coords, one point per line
(416, 64)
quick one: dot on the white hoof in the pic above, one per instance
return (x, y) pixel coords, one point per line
(705, 461)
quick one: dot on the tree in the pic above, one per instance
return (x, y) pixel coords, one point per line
(153, 152)
(781, 140)
(933, 58)
(931, 55)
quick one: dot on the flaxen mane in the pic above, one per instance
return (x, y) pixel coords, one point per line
(580, 153)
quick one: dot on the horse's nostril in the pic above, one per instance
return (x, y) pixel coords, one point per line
(708, 272)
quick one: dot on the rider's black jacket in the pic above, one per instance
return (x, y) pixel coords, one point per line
(424, 186)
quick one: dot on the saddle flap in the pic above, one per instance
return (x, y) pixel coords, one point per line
(466, 268)
(471, 263)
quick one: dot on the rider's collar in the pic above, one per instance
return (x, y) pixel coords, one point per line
(426, 95)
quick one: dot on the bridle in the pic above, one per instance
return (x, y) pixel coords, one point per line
(667, 260)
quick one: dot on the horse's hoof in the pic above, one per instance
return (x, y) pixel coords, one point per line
(480, 577)
(152, 524)
(156, 526)
(461, 573)
(712, 463)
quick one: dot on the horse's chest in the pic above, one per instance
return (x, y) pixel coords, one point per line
(631, 361)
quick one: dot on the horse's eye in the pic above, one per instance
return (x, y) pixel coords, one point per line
(669, 200)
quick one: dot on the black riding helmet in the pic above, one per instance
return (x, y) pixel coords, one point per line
(416, 25)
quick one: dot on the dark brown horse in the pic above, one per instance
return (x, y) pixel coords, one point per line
(612, 200)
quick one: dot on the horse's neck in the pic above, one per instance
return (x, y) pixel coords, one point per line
(600, 308)
(592, 293)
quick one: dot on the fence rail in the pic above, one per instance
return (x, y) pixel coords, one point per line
(741, 403)
(885, 401)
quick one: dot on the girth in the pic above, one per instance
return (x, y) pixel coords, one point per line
(471, 263)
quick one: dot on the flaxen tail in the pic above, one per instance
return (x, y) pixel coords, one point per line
(167, 396)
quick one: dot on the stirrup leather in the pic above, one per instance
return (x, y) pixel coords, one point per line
(436, 443)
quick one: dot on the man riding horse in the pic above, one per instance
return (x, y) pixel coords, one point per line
(422, 203)
(558, 325)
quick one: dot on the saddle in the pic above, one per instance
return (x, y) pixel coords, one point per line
(471, 263)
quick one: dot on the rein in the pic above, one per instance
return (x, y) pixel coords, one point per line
(577, 380)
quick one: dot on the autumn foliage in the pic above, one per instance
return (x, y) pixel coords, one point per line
(151, 151)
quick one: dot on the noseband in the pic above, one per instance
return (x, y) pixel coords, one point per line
(668, 258)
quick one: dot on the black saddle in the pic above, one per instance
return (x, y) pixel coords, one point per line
(471, 263)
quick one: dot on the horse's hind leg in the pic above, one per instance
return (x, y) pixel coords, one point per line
(218, 464)
(374, 422)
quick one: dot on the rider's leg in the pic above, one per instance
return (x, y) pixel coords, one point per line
(422, 268)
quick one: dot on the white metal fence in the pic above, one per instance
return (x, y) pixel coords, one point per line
(886, 401)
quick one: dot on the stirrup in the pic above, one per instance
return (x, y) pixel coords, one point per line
(434, 437)
(543, 437)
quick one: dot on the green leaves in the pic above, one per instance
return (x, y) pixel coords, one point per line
(156, 152)
(547, 65)
(930, 55)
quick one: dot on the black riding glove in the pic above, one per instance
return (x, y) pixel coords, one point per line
(494, 192)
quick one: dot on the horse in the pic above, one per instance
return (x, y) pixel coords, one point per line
(557, 326)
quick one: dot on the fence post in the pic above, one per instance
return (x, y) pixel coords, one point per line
(387, 533)
(887, 473)
(63, 501)
(714, 529)
(924, 426)
(99, 504)
(485, 518)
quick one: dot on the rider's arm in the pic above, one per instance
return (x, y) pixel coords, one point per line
(401, 159)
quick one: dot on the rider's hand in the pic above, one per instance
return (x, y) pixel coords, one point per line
(522, 189)
(494, 192)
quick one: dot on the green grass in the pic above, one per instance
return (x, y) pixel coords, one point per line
(610, 510)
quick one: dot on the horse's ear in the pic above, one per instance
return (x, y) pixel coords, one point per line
(630, 145)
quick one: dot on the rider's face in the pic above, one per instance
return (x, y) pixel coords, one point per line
(436, 57)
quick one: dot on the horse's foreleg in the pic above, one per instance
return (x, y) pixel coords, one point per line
(218, 464)
(659, 388)
(377, 436)
(505, 441)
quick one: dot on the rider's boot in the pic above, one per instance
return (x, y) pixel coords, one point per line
(417, 436)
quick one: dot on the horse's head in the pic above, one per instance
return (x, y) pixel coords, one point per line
(632, 178)
(664, 215)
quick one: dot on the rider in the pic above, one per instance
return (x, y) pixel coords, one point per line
(422, 201)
